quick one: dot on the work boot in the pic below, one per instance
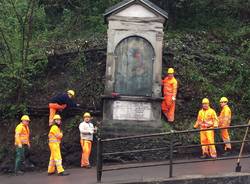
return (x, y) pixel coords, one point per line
(86, 167)
(203, 157)
(50, 174)
(63, 174)
(214, 158)
(19, 173)
(29, 165)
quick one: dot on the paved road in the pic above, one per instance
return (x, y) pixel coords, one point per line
(88, 176)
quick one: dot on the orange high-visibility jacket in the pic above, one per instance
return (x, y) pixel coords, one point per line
(55, 134)
(225, 117)
(169, 86)
(206, 119)
(22, 134)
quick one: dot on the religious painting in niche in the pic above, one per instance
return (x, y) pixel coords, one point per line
(134, 67)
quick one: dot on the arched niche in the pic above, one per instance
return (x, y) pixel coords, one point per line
(134, 57)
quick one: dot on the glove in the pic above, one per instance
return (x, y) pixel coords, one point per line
(204, 125)
(196, 125)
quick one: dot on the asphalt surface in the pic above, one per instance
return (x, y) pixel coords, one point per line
(88, 176)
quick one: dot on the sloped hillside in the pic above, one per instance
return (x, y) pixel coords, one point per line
(206, 41)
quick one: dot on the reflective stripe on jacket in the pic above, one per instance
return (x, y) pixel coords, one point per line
(206, 119)
(55, 134)
(22, 134)
(225, 117)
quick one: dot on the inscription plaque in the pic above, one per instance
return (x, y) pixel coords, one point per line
(127, 110)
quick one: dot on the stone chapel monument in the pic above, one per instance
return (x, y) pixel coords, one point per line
(132, 96)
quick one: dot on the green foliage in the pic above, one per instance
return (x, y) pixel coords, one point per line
(217, 32)
(17, 35)
(75, 18)
(210, 41)
(193, 14)
(73, 124)
(208, 66)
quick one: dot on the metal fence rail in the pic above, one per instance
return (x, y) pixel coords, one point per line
(174, 163)
(170, 148)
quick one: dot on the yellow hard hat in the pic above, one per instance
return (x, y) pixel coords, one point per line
(25, 118)
(170, 71)
(223, 99)
(71, 92)
(205, 101)
(57, 116)
(86, 114)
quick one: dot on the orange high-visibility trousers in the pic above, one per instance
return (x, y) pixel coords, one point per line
(53, 107)
(55, 158)
(168, 107)
(207, 137)
(86, 150)
(226, 138)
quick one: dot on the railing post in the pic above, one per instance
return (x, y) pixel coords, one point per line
(171, 154)
(99, 159)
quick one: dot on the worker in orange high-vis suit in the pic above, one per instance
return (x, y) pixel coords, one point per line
(169, 92)
(225, 121)
(55, 137)
(87, 130)
(207, 119)
(60, 102)
(22, 143)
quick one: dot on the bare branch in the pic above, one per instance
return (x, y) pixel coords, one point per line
(30, 24)
(80, 8)
(74, 6)
(7, 45)
(22, 27)
(19, 17)
(3, 56)
(27, 12)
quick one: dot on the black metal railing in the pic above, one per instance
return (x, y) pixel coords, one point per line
(170, 148)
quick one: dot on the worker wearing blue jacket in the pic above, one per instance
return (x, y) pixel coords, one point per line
(60, 102)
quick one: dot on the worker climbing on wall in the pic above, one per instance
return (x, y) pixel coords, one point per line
(169, 92)
(22, 143)
(87, 130)
(207, 119)
(60, 102)
(225, 121)
(55, 137)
